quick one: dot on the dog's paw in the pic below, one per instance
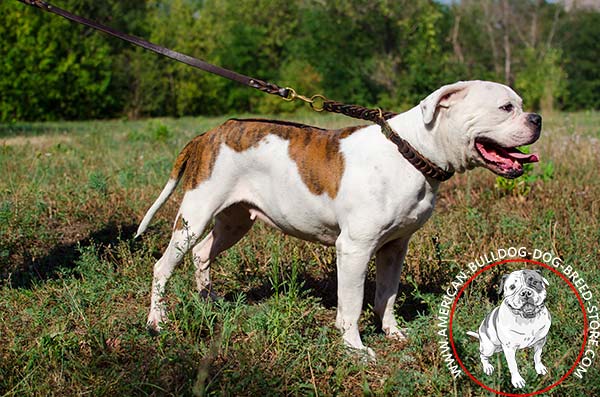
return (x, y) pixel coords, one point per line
(368, 356)
(517, 381)
(365, 354)
(153, 324)
(153, 328)
(394, 333)
(541, 369)
(488, 368)
(209, 295)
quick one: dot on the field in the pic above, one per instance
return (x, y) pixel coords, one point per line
(74, 285)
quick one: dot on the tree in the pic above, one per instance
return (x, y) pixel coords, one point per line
(518, 47)
(52, 68)
(387, 53)
(581, 49)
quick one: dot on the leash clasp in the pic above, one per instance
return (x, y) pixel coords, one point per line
(316, 102)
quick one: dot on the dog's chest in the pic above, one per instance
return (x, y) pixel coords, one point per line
(408, 214)
(382, 188)
(520, 332)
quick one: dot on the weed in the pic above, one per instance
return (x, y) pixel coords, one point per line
(98, 182)
(522, 186)
(160, 132)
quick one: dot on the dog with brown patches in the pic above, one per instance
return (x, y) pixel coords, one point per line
(350, 188)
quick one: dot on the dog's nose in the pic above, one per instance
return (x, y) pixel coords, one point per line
(535, 119)
(526, 293)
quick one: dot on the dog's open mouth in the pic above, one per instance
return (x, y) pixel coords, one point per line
(506, 162)
(529, 310)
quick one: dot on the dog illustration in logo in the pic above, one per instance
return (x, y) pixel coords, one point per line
(521, 321)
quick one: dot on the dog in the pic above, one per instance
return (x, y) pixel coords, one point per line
(348, 188)
(521, 321)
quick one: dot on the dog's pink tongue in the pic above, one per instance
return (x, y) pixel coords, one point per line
(522, 157)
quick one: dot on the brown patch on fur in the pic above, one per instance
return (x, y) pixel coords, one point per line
(315, 151)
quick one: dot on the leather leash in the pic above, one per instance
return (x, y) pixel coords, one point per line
(317, 102)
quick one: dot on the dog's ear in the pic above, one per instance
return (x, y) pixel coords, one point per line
(501, 287)
(442, 97)
(543, 278)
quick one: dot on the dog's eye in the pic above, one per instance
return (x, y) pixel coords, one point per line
(512, 287)
(507, 108)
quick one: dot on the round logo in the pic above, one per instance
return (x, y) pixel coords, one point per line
(518, 327)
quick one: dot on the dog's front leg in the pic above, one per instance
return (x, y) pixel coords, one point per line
(352, 263)
(515, 377)
(537, 357)
(389, 261)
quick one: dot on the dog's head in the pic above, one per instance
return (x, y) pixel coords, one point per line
(524, 291)
(483, 124)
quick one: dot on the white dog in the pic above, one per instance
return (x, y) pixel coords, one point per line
(349, 188)
(521, 321)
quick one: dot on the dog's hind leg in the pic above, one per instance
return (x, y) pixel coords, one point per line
(389, 261)
(190, 224)
(486, 349)
(231, 225)
(488, 368)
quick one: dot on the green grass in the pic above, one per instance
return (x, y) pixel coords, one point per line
(74, 286)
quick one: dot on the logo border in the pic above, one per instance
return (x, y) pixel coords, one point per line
(585, 328)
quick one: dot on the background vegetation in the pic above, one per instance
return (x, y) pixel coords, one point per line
(371, 52)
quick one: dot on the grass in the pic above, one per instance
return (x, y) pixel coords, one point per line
(74, 286)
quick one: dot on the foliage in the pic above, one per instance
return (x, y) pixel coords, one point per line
(378, 52)
(52, 69)
(579, 40)
(523, 185)
(542, 79)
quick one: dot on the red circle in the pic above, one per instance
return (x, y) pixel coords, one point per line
(585, 328)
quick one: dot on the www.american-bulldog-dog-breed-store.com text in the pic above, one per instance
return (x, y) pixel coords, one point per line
(350, 188)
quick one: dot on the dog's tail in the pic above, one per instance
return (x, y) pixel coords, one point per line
(473, 334)
(176, 174)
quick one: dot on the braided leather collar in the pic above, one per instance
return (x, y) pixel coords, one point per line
(420, 162)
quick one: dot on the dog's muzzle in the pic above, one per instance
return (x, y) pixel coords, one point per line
(528, 308)
(525, 299)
